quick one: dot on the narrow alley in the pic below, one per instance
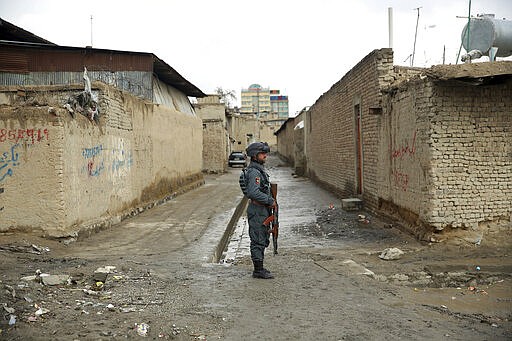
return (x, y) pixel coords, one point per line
(159, 280)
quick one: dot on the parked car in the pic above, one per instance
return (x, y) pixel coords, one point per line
(237, 158)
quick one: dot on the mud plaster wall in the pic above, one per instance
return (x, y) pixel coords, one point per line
(286, 142)
(404, 171)
(447, 153)
(215, 158)
(266, 134)
(244, 130)
(215, 139)
(299, 158)
(76, 174)
(331, 129)
(31, 170)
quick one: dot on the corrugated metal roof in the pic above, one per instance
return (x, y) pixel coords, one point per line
(12, 32)
(19, 57)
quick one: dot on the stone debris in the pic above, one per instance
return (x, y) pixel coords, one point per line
(55, 279)
(391, 254)
(32, 248)
(101, 274)
(357, 269)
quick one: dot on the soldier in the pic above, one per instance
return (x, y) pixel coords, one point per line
(261, 201)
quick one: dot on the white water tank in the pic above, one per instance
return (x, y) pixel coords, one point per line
(486, 32)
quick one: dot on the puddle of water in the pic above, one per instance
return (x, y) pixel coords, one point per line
(239, 244)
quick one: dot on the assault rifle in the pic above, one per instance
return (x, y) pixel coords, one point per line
(273, 220)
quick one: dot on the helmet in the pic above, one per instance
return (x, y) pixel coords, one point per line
(257, 147)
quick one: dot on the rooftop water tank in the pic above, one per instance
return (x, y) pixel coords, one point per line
(485, 32)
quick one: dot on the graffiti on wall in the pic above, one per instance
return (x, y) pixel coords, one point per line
(118, 162)
(407, 149)
(8, 162)
(401, 180)
(121, 160)
(28, 136)
(93, 166)
(10, 141)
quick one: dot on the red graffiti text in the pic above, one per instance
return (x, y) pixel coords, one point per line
(28, 135)
(405, 150)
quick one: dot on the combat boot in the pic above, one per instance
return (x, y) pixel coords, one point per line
(260, 271)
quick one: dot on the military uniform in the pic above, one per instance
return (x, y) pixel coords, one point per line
(258, 191)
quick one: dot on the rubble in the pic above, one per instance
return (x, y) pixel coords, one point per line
(391, 254)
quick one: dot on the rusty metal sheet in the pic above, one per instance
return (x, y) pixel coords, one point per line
(13, 61)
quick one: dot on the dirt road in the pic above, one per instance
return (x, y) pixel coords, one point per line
(330, 282)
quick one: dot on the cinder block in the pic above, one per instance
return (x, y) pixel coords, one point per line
(351, 204)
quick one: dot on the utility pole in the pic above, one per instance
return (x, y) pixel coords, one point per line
(91, 30)
(415, 35)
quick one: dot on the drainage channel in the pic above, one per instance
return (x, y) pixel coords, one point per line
(227, 248)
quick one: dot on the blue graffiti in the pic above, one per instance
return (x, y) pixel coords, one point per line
(95, 170)
(121, 161)
(8, 161)
(92, 152)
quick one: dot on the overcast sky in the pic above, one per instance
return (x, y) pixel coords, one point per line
(301, 47)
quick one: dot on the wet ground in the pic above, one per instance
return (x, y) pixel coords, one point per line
(330, 282)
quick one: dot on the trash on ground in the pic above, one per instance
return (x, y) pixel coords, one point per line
(41, 311)
(8, 309)
(362, 219)
(142, 329)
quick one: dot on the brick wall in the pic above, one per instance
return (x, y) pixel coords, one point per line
(435, 151)
(446, 154)
(471, 138)
(404, 174)
(331, 147)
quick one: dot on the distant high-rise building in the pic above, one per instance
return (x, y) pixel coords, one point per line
(255, 100)
(262, 101)
(279, 103)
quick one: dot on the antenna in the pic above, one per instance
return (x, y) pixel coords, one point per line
(91, 30)
(415, 35)
(390, 26)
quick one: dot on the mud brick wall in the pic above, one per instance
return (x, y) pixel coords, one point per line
(446, 154)
(332, 131)
(471, 137)
(66, 175)
(404, 172)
